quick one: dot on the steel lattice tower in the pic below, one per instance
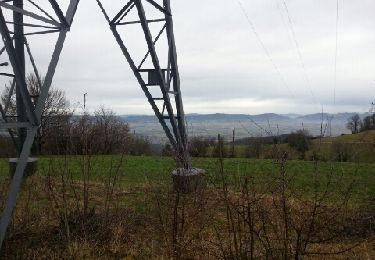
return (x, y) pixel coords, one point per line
(151, 73)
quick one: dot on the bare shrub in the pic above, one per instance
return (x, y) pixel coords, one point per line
(199, 146)
(300, 141)
(70, 183)
(139, 145)
(342, 152)
(254, 149)
(7, 147)
(277, 152)
(277, 220)
(167, 150)
(220, 150)
(181, 221)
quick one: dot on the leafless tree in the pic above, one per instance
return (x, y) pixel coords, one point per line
(56, 107)
(354, 123)
(101, 133)
(112, 132)
(368, 123)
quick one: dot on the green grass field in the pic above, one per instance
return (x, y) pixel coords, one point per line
(137, 170)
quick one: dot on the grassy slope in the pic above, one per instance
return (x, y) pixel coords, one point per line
(361, 146)
(367, 136)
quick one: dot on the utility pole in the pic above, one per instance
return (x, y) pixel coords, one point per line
(233, 136)
(84, 101)
(330, 118)
(20, 56)
(219, 143)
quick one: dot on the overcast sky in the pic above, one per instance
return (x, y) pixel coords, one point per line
(234, 56)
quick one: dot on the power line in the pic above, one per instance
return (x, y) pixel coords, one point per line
(330, 118)
(265, 48)
(302, 63)
(336, 51)
(283, 19)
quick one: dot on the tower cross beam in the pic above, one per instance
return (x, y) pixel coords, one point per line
(166, 79)
(34, 113)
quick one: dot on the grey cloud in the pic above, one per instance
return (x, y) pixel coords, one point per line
(222, 65)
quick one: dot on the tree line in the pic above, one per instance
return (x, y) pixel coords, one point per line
(356, 125)
(63, 132)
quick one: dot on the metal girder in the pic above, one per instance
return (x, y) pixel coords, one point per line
(157, 6)
(7, 75)
(27, 13)
(122, 11)
(15, 125)
(32, 61)
(176, 79)
(2, 50)
(34, 113)
(42, 32)
(19, 76)
(35, 25)
(59, 13)
(135, 22)
(16, 183)
(138, 76)
(176, 129)
(173, 123)
(42, 10)
(154, 42)
(156, 63)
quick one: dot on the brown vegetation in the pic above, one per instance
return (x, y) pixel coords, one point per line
(61, 216)
(153, 221)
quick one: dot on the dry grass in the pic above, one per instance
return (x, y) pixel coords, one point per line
(150, 221)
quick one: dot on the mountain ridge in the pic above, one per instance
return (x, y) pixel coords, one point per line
(245, 125)
(257, 117)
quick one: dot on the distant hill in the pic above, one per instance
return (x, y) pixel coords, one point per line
(211, 117)
(267, 124)
(325, 116)
(269, 117)
(259, 117)
(235, 117)
(140, 118)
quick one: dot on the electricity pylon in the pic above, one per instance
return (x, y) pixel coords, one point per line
(51, 18)
(149, 71)
(29, 114)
